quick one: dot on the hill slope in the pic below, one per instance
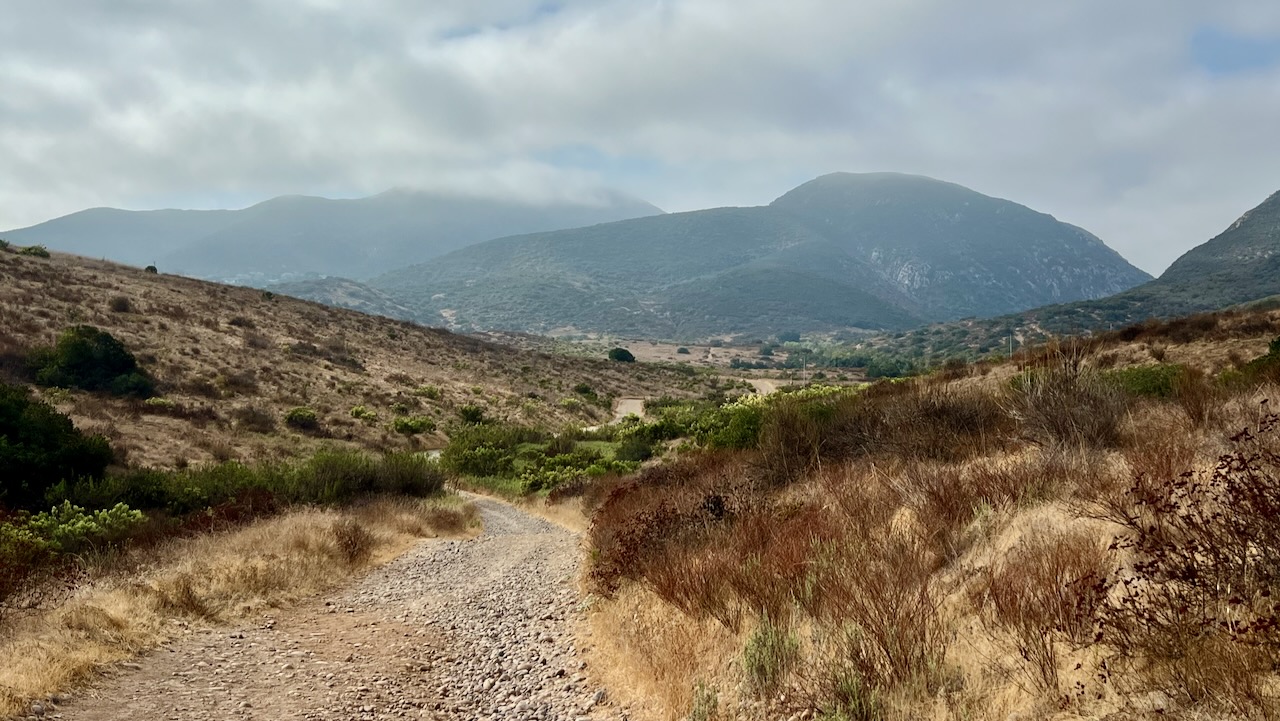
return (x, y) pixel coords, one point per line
(295, 235)
(862, 251)
(1238, 267)
(231, 361)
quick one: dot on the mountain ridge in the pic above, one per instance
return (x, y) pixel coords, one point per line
(896, 250)
(290, 236)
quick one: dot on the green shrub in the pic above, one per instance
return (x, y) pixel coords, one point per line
(634, 448)
(4, 244)
(364, 414)
(413, 425)
(471, 414)
(428, 392)
(621, 355)
(151, 269)
(770, 654)
(302, 418)
(486, 450)
(35, 251)
(70, 529)
(682, 351)
(1153, 381)
(39, 447)
(93, 360)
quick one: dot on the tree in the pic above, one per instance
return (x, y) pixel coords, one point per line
(622, 355)
(93, 360)
(40, 447)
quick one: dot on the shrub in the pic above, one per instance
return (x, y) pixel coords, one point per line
(413, 425)
(151, 269)
(471, 414)
(1047, 590)
(120, 304)
(1065, 404)
(770, 654)
(4, 244)
(621, 355)
(682, 351)
(486, 450)
(40, 447)
(35, 251)
(634, 448)
(70, 529)
(302, 418)
(93, 360)
(428, 392)
(1194, 610)
(1154, 381)
(254, 418)
(364, 414)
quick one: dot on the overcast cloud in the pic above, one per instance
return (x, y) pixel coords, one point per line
(1152, 123)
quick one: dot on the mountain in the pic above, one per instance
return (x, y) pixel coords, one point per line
(870, 251)
(1240, 265)
(1239, 268)
(291, 236)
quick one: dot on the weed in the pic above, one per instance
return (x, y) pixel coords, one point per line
(770, 654)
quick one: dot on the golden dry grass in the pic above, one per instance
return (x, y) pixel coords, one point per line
(221, 352)
(211, 579)
(1020, 549)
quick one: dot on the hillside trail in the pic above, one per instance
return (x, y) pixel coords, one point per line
(471, 629)
(628, 407)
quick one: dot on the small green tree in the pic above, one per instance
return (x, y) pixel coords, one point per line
(622, 355)
(39, 447)
(35, 251)
(93, 360)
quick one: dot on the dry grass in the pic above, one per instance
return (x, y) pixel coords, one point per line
(234, 361)
(653, 659)
(935, 561)
(210, 579)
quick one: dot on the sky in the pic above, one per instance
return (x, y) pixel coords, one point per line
(1151, 123)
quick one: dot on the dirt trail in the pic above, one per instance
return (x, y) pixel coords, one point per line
(476, 629)
(627, 407)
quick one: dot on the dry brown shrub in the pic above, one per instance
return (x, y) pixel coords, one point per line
(354, 542)
(1046, 592)
(1193, 614)
(1066, 404)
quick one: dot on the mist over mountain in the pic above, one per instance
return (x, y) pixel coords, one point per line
(292, 236)
(870, 251)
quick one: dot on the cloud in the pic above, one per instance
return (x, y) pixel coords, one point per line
(1140, 121)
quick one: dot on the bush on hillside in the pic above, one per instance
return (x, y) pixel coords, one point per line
(93, 360)
(39, 447)
(413, 425)
(35, 251)
(621, 355)
(303, 419)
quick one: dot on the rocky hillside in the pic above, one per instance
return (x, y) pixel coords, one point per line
(290, 237)
(1240, 266)
(879, 251)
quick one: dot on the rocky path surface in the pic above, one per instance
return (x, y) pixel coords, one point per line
(475, 629)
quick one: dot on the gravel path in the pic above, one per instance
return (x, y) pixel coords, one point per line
(476, 629)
